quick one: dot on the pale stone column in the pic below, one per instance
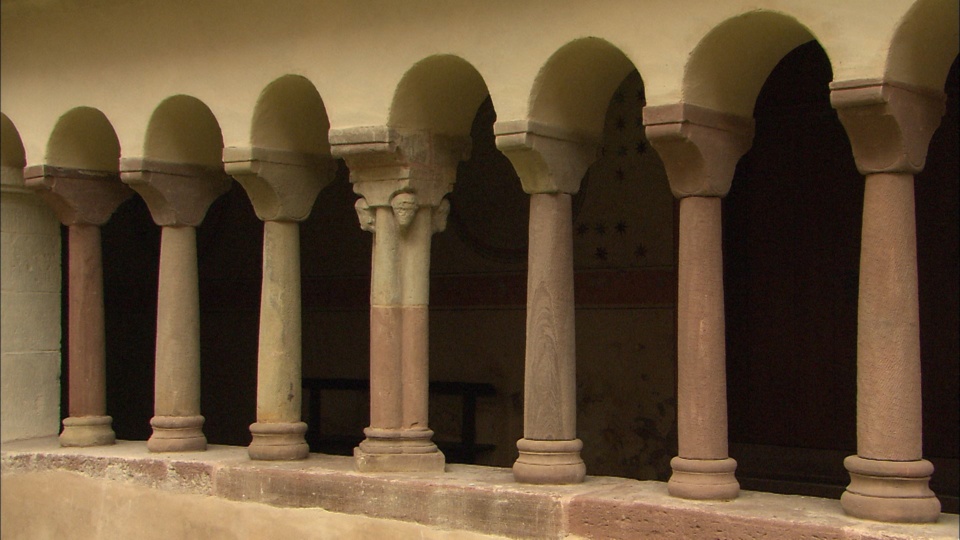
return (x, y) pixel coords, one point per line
(402, 179)
(83, 201)
(282, 186)
(178, 196)
(551, 163)
(700, 149)
(889, 126)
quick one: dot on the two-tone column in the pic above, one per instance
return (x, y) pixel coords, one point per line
(700, 148)
(282, 186)
(889, 125)
(83, 200)
(402, 179)
(551, 163)
(178, 196)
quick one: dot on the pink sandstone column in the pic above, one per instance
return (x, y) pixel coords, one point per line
(282, 186)
(178, 196)
(550, 449)
(402, 178)
(83, 200)
(551, 162)
(889, 125)
(700, 148)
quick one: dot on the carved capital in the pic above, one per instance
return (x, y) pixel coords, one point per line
(889, 123)
(366, 215)
(699, 147)
(384, 162)
(282, 185)
(78, 196)
(177, 194)
(547, 159)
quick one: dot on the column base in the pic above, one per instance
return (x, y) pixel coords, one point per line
(549, 462)
(703, 479)
(890, 491)
(87, 431)
(398, 450)
(177, 434)
(278, 441)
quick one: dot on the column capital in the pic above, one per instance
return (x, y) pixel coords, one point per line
(548, 159)
(889, 123)
(385, 162)
(177, 194)
(282, 185)
(699, 147)
(78, 196)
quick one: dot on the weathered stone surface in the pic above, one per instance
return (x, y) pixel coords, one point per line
(78, 196)
(132, 487)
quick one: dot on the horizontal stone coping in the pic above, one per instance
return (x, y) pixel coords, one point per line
(466, 497)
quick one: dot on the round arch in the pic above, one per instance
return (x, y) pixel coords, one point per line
(290, 115)
(182, 129)
(729, 66)
(83, 138)
(439, 94)
(12, 153)
(573, 88)
(925, 44)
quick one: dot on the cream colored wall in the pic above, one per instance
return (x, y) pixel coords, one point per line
(124, 58)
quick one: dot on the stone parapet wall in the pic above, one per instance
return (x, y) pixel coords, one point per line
(222, 492)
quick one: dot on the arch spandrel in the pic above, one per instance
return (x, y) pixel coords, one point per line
(182, 129)
(925, 44)
(84, 138)
(439, 94)
(728, 67)
(573, 88)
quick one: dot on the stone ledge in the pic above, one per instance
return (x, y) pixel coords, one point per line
(466, 497)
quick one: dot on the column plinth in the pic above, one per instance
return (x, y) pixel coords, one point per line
(178, 196)
(551, 164)
(700, 149)
(83, 200)
(889, 126)
(402, 179)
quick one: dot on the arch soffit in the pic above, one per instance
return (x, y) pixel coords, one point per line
(290, 115)
(730, 64)
(439, 94)
(182, 129)
(12, 153)
(924, 44)
(572, 89)
(83, 138)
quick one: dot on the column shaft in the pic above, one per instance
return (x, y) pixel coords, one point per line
(550, 451)
(702, 470)
(415, 343)
(386, 386)
(177, 421)
(87, 424)
(279, 432)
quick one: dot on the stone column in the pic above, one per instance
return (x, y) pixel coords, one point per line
(889, 125)
(282, 186)
(178, 196)
(83, 201)
(700, 149)
(551, 163)
(402, 178)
